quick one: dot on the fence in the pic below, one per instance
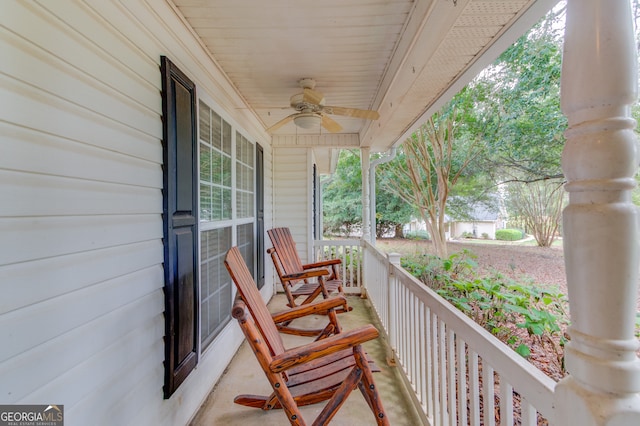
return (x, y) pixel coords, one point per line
(460, 373)
(350, 253)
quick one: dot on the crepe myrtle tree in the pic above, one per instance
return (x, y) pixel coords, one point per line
(539, 204)
(428, 166)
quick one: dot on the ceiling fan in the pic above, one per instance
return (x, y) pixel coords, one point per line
(312, 112)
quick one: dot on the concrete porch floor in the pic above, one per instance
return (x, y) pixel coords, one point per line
(245, 376)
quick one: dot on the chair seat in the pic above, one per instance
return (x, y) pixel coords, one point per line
(305, 289)
(311, 384)
(325, 367)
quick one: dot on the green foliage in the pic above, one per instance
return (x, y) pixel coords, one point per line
(435, 271)
(417, 235)
(342, 196)
(391, 211)
(509, 234)
(342, 201)
(635, 193)
(494, 301)
(523, 88)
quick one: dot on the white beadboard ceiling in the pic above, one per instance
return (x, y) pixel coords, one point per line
(402, 58)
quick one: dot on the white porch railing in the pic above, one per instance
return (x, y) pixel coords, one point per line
(351, 254)
(460, 373)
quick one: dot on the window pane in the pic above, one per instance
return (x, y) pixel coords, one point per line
(205, 162)
(205, 122)
(206, 207)
(244, 176)
(216, 131)
(216, 203)
(226, 137)
(226, 171)
(215, 166)
(245, 244)
(215, 283)
(226, 204)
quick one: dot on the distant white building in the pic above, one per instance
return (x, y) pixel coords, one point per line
(483, 224)
(482, 220)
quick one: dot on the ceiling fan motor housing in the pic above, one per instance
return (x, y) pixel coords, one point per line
(307, 83)
(311, 111)
(299, 104)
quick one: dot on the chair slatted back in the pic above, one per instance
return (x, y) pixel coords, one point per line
(286, 248)
(248, 290)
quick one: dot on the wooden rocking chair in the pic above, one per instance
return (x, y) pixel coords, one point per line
(309, 281)
(327, 369)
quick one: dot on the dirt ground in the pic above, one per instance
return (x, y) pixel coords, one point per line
(542, 265)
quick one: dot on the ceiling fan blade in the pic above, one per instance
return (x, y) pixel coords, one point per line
(280, 123)
(312, 97)
(352, 112)
(330, 124)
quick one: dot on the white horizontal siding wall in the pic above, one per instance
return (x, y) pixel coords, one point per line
(488, 228)
(81, 301)
(269, 214)
(292, 178)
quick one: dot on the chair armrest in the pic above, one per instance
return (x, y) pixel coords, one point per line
(309, 309)
(321, 348)
(322, 264)
(306, 274)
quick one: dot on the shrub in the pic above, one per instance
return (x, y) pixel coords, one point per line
(417, 235)
(436, 272)
(509, 234)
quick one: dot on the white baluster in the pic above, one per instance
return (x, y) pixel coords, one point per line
(474, 389)
(506, 403)
(462, 381)
(488, 394)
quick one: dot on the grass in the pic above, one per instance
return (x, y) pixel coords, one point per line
(530, 241)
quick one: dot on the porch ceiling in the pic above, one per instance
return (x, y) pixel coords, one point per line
(403, 58)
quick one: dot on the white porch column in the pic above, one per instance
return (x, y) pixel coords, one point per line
(366, 198)
(600, 224)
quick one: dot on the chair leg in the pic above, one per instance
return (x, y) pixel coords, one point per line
(344, 308)
(322, 287)
(339, 397)
(286, 400)
(329, 330)
(333, 320)
(266, 403)
(368, 387)
(290, 297)
(310, 298)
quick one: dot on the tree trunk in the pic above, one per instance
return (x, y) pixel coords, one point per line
(399, 231)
